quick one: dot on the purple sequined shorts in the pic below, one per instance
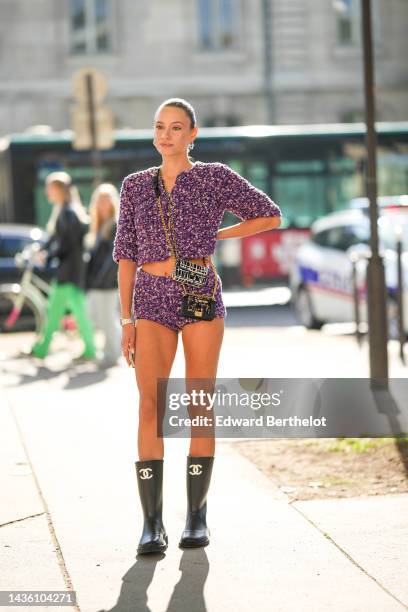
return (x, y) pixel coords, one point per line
(158, 298)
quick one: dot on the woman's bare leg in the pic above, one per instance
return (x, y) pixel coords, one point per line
(202, 345)
(156, 347)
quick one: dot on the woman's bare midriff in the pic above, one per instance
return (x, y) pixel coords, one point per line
(166, 267)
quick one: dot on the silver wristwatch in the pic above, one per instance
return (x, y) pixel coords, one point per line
(126, 321)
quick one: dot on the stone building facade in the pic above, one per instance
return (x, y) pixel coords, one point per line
(237, 61)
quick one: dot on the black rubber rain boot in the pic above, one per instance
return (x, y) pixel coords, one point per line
(196, 532)
(150, 481)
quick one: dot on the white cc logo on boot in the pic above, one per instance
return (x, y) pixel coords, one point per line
(144, 473)
(195, 469)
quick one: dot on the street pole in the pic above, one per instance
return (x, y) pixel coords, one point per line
(377, 297)
(268, 65)
(95, 154)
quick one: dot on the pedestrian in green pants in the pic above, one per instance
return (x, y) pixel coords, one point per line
(63, 297)
(68, 225)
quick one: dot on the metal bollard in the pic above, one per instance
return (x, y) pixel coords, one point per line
(400, 295)
(356, 299)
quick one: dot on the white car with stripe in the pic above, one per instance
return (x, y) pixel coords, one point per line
(321, 277)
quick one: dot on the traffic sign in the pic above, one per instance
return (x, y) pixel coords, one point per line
(92, 123)
(99, 85)
(82, 132)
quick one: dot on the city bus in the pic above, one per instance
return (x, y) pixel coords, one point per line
(308, 170)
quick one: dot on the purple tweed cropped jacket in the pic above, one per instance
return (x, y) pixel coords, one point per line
(200, 196)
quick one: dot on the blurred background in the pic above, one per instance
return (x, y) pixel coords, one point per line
(294, 68)
(277, 87)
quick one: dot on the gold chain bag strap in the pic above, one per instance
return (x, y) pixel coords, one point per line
(185, 271)
(194, 305)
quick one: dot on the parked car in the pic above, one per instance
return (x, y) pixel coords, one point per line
(13, 239)
(321, 276)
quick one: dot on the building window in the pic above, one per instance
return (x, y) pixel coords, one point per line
(217, 24)
(344, 30)
(221, 121)
(90, 22)
(351, 116)
(347, 21)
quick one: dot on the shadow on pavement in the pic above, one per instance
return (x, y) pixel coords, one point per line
(42, 373)
(78, 380)
(78, 376)
(387, 405)
(187, 595)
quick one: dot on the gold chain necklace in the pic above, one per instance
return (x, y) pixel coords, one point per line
(173, 247)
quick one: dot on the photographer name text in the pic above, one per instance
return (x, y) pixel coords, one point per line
(259, 421)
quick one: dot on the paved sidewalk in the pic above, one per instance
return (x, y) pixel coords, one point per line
(71, 515)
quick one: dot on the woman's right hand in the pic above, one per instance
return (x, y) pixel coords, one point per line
(128, 342)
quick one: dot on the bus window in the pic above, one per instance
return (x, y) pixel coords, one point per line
(257, 174)
(300, 191)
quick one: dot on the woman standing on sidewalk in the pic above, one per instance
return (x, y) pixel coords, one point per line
(67, 225)
(169, 216)
(102, 271)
